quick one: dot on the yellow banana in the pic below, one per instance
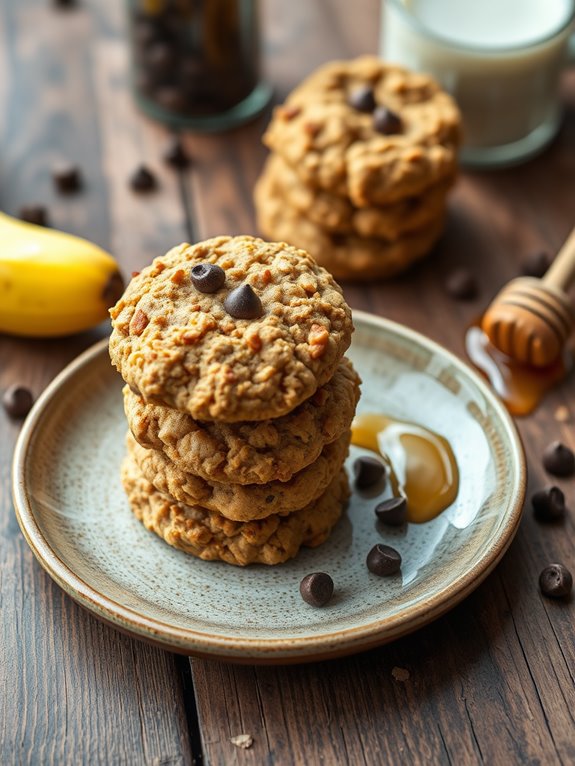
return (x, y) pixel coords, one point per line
(52, 283)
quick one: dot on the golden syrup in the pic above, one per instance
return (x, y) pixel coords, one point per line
(520, 386)
(421, 462)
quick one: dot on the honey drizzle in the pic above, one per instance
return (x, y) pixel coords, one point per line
(520, 387)
(421, 464)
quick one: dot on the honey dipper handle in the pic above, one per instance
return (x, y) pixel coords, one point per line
(561, 273)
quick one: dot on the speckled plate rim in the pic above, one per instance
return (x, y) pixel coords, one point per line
(267, 651)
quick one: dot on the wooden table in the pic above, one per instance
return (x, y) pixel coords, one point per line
(492, 681)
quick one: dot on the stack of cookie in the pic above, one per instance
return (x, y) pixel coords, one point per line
(364, 154)
(238, 398)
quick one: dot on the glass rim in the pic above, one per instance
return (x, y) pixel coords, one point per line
(421, 27)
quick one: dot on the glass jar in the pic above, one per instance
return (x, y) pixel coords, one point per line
(196, 63)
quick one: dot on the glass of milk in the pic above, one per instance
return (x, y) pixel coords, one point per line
(500, 59)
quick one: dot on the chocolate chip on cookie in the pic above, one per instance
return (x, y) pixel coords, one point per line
(362, 99)
(243, 303)
(387, 122)
(207, 277)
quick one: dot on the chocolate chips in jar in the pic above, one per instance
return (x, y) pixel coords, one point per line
(196, 62)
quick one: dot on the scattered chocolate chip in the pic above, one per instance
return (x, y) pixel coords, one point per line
(243, 303)
(67, 178)
(392, 512)
(207, 277)
(556, 581)
(536, 264)
(548, 504)
(462, 285)
(17, 401)
(64, 3)
(270, 499)
(175, 154)
(559, 460)
(143, 180)
(316, 589)
(362, 99)
(113, 289)
(385, 121)
(36, 214)
(368, 471)
(383, 560)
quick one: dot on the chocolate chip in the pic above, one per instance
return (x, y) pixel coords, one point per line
(385, 121)
(67, 178)
(462, 285)
(536, 264)
(392, 512)
(207, 277)
(368, 471)
(548, 504)
(36, 214)
(64, 3)
(243, 303)
(113, 289)
(316, 589)
(143, 180)
(559, 459)
(383, 560)
(17, 401)
(176, 155)
(362, 99)
(556, 581)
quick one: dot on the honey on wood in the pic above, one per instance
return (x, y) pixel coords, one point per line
(421, 463)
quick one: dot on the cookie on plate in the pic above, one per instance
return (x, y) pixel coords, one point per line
(241, 502)
(248, 452)
(258, 329)
(368, 130)
(208, 535)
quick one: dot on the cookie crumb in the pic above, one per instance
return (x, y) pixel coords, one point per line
(400, 674)
(562, 414)
(244, 741)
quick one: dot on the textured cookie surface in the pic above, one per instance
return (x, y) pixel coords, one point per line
(241, 502)
(345, 256)
(179, 347)
(244, 452)
(212, 537)
(337, 214)
(336, 147)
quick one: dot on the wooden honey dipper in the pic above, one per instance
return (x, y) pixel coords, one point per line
(530, 319)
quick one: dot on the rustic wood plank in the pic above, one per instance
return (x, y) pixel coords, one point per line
(73, 690)
(491, 682)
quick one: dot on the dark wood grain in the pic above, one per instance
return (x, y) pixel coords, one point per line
(71, 690)
(491, 682)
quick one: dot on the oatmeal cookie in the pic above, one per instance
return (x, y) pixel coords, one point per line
(179, 345)
(376, 150)
(249, 453)
(210, 536)
(338, 215)
(345, 256)
(241, 502)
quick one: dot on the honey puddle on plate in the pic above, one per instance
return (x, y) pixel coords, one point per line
(521, 387)
(421, 464)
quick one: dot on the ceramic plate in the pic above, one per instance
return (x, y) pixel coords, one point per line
(73, 512)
